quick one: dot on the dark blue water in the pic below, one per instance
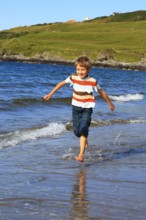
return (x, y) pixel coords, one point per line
(24, 115)
(38, 146)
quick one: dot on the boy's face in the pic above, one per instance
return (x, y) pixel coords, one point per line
(81, 71)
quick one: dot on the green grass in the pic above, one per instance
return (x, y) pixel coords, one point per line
(68, 41)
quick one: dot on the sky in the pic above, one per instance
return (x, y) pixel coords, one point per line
(14, 13)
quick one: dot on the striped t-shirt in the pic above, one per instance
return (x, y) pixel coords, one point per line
(83, 91)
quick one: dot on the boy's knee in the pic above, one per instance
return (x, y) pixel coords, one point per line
(83, 130)
(77, 133)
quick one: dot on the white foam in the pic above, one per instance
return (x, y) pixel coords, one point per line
(134, 121)
(18, 137)
(127, 98)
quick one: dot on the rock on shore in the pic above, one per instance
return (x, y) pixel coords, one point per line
(141, 66)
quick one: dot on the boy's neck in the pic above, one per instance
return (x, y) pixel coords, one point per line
(85, 77)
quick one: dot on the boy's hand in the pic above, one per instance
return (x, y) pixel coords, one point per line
(47, 97)
(112, 107)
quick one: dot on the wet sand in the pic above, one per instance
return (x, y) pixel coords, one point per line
(112, 189)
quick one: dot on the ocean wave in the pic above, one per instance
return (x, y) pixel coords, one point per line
(14, 138)
(28, 101)
(19, 102)
(99, 123)
(127, 98)
(18, 137)
(24, 102)
(118, 121)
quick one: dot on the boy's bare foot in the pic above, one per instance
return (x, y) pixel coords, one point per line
(79, 158)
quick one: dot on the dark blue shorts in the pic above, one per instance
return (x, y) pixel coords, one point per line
(81, 118)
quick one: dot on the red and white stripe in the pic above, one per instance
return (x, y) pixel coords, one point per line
(83, 91)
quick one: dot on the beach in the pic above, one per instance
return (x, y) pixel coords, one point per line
(40, 178)
(62, 189)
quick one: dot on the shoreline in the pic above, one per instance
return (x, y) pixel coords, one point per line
(40, 179)
(137, 66)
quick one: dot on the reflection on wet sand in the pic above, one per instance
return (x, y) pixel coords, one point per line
(79, 197)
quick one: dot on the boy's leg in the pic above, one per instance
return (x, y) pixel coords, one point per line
(83, 128)
(85, 122)
(81, 121)
(76, 117)
(83, 145)
(86, 146)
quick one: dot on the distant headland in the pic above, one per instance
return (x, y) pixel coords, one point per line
(116, 41)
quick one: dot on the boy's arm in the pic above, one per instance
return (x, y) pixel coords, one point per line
(57, 87)
(107, 99)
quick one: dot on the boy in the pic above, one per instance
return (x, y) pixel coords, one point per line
(83, 100)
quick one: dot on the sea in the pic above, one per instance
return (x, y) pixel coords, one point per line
(40, 178)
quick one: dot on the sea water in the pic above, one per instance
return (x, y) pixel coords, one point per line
(39, 177)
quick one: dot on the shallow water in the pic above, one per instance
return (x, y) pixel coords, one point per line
(42, 182)
(40, 178)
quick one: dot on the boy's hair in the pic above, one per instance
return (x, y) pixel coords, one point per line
(83, 61)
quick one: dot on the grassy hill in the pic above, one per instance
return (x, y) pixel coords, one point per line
(121, 34)
(120, 17)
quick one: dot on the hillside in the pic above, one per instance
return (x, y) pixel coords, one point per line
(121, 17)
(116, 37)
